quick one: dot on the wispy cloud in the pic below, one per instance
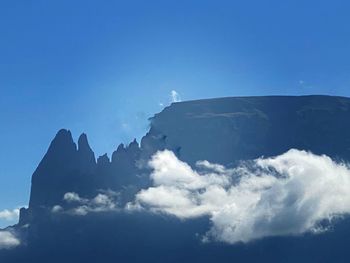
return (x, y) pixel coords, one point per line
(289, 194)
(104, 201)
(8, 240)
(9, 215)
(72, 197)
(175, 96)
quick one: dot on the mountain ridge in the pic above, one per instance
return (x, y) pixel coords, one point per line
(183, 135)
(225, 131)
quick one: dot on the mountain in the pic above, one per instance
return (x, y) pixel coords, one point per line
(223, 131)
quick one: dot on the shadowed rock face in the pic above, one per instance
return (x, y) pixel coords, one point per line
(66, 168)
(223, 131)
(86, 156)
(56, 172)
(230, 129)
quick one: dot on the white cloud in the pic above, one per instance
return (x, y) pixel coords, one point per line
(8, 240)
(9, 215)
(175, 96)
(102, 202)
(80, 210)
(73, 197)
(289, 194)
(57, 209)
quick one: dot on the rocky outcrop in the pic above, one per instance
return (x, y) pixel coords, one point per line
(56, 172)
(68, 168)
(87, 161)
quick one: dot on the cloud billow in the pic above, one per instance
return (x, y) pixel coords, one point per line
(102, 202)
(289, 194)
(8, 240)
(9, 215)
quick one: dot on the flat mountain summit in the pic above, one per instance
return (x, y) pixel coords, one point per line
(224, 131)
(236, 128)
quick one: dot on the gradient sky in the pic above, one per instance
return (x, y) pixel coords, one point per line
(104, 67)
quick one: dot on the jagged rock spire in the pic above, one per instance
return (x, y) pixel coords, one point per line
(103, 160)
(60, 159)
(62, 143)
(85, 154)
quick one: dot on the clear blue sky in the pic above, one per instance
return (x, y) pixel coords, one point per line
(104, 67)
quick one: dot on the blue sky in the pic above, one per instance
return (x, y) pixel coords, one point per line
(104, 67)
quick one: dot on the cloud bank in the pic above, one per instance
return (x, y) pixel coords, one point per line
(290, 194)
(8, 240)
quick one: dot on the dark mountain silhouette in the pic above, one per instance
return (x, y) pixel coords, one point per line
(224, 131)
